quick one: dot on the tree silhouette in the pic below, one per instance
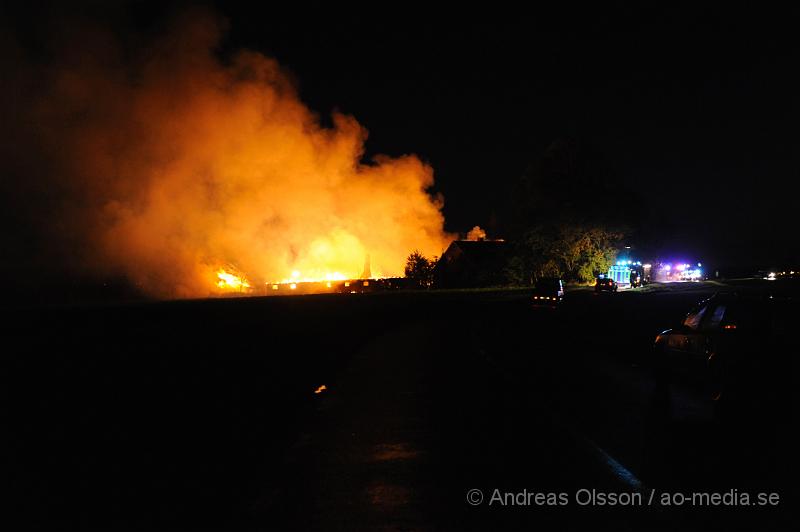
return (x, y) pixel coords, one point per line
(420, 269)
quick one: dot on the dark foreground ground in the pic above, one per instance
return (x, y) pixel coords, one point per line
(203, 415)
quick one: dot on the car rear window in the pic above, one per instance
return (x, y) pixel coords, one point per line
(693, 318)
(549, 284)
(714, 319)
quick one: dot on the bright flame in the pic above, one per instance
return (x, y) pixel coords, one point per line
(298, 277)
(182, 161)
(229, 281)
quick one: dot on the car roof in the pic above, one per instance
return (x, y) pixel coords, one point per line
(752, 299)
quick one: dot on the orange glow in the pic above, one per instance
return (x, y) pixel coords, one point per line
(315, 277)
(182, 162)
(476, 233)
(321, 389)
(730, 326)
(230, 282)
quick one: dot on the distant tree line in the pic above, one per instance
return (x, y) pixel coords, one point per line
(571, 212)
(568, 251)
(569, 215)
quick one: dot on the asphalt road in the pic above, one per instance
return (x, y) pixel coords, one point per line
(203, 415)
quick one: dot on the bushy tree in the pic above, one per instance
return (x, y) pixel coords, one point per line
(570, 251)
(569, 214)
(420, 269)
(534, 257)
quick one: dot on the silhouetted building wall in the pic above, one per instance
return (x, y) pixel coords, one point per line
(472, 264)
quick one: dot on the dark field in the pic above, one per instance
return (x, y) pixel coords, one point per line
(201, 415)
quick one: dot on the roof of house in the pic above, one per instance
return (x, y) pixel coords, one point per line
(477, 251)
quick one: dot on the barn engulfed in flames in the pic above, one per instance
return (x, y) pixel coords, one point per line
(195, 176)
(230, 281)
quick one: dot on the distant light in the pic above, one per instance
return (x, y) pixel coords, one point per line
(274, 287)
(295, 274)
(293, 286)
(648, 265)
(668, 267)
(329, 284)
(698, 264)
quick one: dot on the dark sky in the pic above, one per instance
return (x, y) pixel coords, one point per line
(694, 108)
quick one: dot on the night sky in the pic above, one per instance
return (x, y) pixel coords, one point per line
(692, 108)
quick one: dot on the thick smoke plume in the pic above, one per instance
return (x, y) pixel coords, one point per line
(476, 233)
(166, 164)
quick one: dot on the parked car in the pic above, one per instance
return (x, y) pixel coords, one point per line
(730, 357)
(605, 285)
(548, 292)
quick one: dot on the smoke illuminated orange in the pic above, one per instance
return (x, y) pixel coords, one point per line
(182, 162)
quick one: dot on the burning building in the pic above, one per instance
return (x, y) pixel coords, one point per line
(191, 174)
